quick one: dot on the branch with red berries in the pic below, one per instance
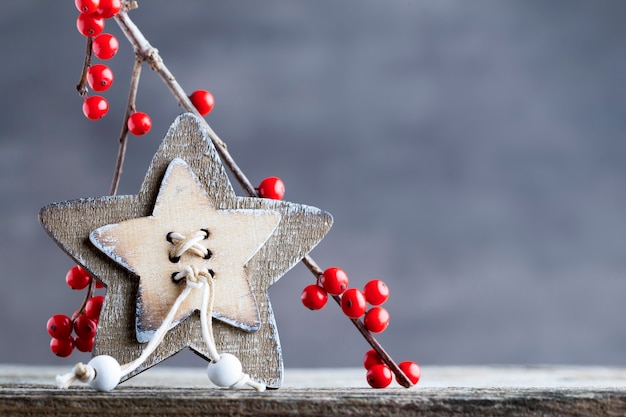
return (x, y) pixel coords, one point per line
(93, 14)
(83, 323)
(379, 365)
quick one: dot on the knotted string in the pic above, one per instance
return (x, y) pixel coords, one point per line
(206, 318)
(159, 335)
(81, 372)
(183, 244)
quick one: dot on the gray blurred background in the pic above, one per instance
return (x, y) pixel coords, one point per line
(472, 154)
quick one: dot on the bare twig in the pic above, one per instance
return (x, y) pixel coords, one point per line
(130, 108)
(81, 86)
(151, 55)
(90, 291)
(146, 52)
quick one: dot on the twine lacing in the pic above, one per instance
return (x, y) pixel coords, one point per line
(195, 279)
(81, 372)
(182, 244)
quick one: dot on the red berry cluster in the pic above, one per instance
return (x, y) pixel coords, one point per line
(334, 281)
(83, 323)
(379, 375)
(90, 23)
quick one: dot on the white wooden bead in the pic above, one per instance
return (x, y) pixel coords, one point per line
(225, 372)
(108, 373)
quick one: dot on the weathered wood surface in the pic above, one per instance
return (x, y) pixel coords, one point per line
(443, 391)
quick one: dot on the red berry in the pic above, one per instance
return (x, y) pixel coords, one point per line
(93, 307)
(85, 327)
(353, 303)
(62, 347)
(376, 292)
(87, 6)
(99, 77)
(139, 123)
(95, 107)
(59, 326)
(314, 297)
(334, 280)
(379, 376)
(272, 187)
(371, 358)
(203, 101)
(109, 8)
(90, 24)
(84, 344)
(77, 278)
(105, 46)
(376, 319)
(411, 370)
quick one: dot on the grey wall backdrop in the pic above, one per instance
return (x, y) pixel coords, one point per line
(471, 152)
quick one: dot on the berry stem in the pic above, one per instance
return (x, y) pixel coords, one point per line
(90, 291)
(145, 52)
(81, 86)
(130, 108)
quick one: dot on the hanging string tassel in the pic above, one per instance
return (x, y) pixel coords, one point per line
(80, 372)
(159, 335)
(224, 370)
(103, 372)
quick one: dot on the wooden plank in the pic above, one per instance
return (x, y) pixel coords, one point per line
(444, 391)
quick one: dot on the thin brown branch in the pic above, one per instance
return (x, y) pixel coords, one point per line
(152, 57)
(81, 86)
(130, 108)
(148, 53)
(90, 291)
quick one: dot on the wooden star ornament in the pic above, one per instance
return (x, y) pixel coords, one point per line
(245, 243)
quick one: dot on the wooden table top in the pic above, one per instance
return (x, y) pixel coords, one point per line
(443, 391)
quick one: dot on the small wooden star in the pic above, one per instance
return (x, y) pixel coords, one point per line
(250, 243)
